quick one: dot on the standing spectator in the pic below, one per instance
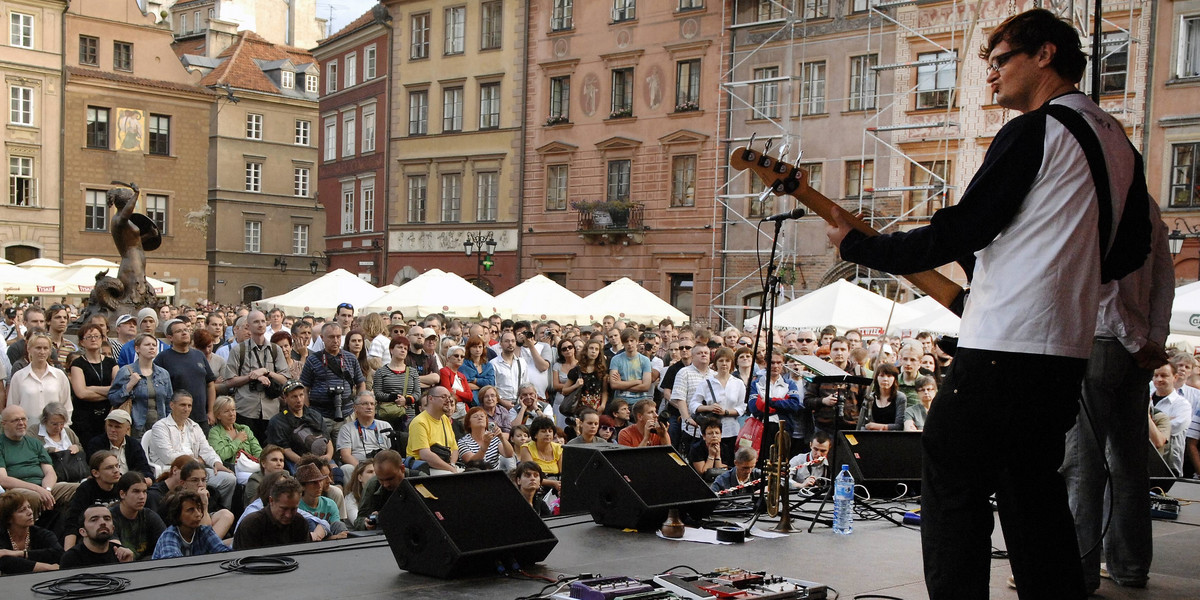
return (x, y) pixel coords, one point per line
(687, 384)
(591, 373)
(629, 372)
(91, 377)
(255, 364)
(452, 379)
(647, 430)
(284, 340)
(38, 384)
(127, 328)
(396, 386)
(722, 397)
(147, 321)
(1170, 402)
(885, 404)
(143, 384)
(510, 370)
(356, 345)
(478, 371)
(202, 340)
(58, 318)
(344, 318)
(189, 371)
(179, 435)
(537, 354)
(431, 435)
(241, 332)
(26, 548)
(131, 457)
(34, 319)
(186, 534)
(785, 400)
(560, 379)
(96, 547)
(332, 377)
(279, 523)
(376, 332)
(137, 528)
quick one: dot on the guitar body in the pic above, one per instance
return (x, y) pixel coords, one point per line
(784, 178)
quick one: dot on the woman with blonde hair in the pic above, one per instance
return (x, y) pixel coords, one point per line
(228, 437)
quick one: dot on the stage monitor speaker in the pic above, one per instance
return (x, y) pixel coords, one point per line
(1160, 474)
(634, 488)
(880, 460)
(470, 523)
(575, 458)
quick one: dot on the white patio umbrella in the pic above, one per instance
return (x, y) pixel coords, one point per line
(21, 282)
(80, 277)
(929, 316)
(435, 291)
(322, 295)
(42, 266)
(541, 298)
(625, 299)
(841, 304)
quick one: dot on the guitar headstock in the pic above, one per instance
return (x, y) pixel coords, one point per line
(783, 178)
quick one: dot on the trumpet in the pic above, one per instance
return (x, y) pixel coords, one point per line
(777, 468)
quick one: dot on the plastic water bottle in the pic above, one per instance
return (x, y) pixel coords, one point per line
(843, 502)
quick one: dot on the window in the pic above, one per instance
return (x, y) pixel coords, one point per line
(21, 182)
(20, 105)
(769, 9)
(760, 208)
(253, 177)
(816, 9)
(687, 85)
(489, 106)
(861, 6)
(348, 213)
(860, 175)
(369, 60)
(690, 4)
(287, 79)
(368, 129)
(97, 127)
(348, 134)
(419, 46)
(864, 81)
(160, 134)
(452, 109)
(310, 82)
(254, 126)
(932, 176)
(123, 56)
(456, 28)
(812, 88)
(183, 24)
(487, 194)
(618, 180)
(766, 93)
(1185, 175)
(351, 70)
(814, 172)
(196, 19)
(331, 138)
(418, 113)
(331, 76)
(451, 197)
(624, 10)
(302, 132)
(300, 179)
(417, 188)
(622, 93)
(95, 211)
(683, 180)
(491, 25)
(1189, 47)
(563, 15)
(556, 187)
(20, 30)
(89, 50)
(300, 239)
(560, 99)
(935, 81)
(252, 236)
(156, 209)
(1114, 64)
(682, 287)
(367, 201)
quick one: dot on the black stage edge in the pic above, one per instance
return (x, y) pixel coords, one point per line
(878, 558)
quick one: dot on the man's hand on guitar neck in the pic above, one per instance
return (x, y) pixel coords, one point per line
(840, 226)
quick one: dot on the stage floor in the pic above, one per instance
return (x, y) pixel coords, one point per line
(878, 558)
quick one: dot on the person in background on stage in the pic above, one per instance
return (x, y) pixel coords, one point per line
(813, 475)
(648, 430)
(136, 527)
(186, 534)
(743, 472)
(916, 413)
(389, 474)
(96, 546)
(885, 404)
(527, 476)
(25, 547)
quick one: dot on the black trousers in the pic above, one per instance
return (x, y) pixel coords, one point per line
(998, 426)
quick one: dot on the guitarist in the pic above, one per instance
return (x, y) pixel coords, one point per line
(1029, 232)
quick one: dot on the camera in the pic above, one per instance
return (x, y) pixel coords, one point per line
(373, 520)
(337, 389)
(255, 385)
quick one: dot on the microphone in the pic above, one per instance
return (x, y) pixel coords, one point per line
(795, 213)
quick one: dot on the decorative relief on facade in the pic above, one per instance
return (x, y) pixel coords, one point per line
(590, 97)
(446, 240)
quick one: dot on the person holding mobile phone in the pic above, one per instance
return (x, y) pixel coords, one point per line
(484, 443)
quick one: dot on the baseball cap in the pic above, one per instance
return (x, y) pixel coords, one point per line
(428, 332)
(119, 416)
(121, 320)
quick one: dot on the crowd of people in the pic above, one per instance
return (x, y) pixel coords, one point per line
(201, 430)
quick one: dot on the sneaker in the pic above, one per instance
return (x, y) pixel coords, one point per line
(1012, 583)
(1104, 571)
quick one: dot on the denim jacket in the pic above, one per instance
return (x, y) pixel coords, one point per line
(162, 394)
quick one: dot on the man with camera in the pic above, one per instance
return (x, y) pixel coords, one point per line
(365, 436)
(254, 365)
(296, 430)
(538, 354)
(647, 430)
(333, 377)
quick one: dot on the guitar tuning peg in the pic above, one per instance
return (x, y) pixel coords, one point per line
(750, 144)
(783, 150)
(767, 150)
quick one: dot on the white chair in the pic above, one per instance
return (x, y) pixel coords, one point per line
(158, 469)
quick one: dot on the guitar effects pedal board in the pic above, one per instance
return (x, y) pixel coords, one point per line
(722, 584)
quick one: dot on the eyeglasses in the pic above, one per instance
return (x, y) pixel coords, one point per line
(92, 337)
(685, 347)
(805, 340)
(1000, 60)
(743, 343)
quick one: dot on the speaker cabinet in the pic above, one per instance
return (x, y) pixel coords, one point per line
(1160, 474)
(633, 488)
(450, 526)
(880, 460)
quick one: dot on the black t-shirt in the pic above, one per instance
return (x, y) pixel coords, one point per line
(189, 371)
(81, 556)
(259, 531)
(94, 375)
(668, 383)
(87, 494)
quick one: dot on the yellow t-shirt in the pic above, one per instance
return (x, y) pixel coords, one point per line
(425, 431)
(548, 467)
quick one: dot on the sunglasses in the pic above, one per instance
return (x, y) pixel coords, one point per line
(346, 305)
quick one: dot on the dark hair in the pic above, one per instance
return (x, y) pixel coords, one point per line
(821, 437)
(174, 505)
(524, 467)
(86, 327)
(585, 412)
(925, 380)
(539, 424)
(268, 482)
(267, 450)
(285, 486)
(886, 369)
(189, 468)
(513, 430)
(98, 457)
(127, 481)
(1028, 31)
(10, 503)
(362, 353)
(706, 424)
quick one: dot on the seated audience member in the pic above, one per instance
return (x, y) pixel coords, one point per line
(116, 439)
(193, 477)
(318, 528)
(328, 488)
(25, 466)
(916, 414)
(228, 437)
(26, 548)
(814, 475)
(389, 473)
(136, 527)
(355, 485)
(296, 429)
(705, 453)
(883, 409)
(166, 483)
(527, 476)
(431, 435)
(364, 436)
(178, 435)
(1165, 398)
(528, 406)
(483, 444)
(96, 546)
(742, 473)
(587, 422)
(310, 478)
(270, 460)
(54, 433)
(544, 451)
(647, 430)
(278, 523)
(621, 414)
(518, 435)
(606, 429)
(186, 534)
(489, 400)
(100, 488)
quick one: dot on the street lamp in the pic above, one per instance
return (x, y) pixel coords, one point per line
(1176, 238)
(486, 245)
(281, 262)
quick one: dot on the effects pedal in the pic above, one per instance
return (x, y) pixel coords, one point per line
(1163, 507)
(608, 588)
(913, 517)
(741, 584)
